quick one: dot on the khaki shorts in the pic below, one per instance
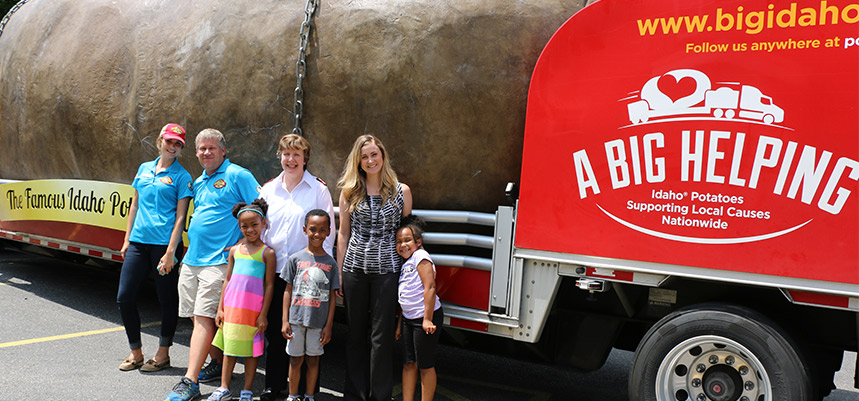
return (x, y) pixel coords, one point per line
(305, 341)
(200, 290)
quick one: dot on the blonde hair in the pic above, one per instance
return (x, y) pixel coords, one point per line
(297, 142)
(160, 142)
(353, 181)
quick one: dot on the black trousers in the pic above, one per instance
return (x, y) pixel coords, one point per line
(276, 360)
(371, 304)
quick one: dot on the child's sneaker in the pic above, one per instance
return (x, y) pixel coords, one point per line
(293, 398)
(185, 390)
(221, 394)
(210, 372)
(308, 397)
(246, 395)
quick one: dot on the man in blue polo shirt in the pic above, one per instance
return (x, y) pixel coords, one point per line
(212, 231)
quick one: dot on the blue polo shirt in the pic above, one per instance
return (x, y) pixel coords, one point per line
(213, 226)
(157, 195)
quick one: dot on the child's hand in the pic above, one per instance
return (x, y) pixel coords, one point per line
(325, 338)
(428, 326)
(262, 323)
(219, 318)
(286, 330)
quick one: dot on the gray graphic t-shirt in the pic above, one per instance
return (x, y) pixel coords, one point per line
(312, 278)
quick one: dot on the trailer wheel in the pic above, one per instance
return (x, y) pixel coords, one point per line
(729, 114)
(718, 353)
(717, 113)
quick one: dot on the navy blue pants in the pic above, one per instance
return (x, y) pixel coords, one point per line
(141, 261)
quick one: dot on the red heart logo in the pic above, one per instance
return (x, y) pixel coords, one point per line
(674, 89)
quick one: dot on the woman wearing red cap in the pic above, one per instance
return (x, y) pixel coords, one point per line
(163, 189)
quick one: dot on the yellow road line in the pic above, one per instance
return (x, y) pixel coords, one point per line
(67, 336)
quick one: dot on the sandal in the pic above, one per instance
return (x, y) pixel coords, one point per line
(153, 366)
(129, 364)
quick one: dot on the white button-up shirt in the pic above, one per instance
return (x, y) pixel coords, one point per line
(286, 211)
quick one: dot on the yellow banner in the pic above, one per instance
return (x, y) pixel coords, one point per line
(96, 203)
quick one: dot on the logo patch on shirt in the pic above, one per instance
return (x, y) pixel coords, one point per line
(167, 180)
(191, 185)
(220, 184)
(320, 180)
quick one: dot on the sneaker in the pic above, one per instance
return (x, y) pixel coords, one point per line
(210, 372)
(293, 398)
(246, 395)
(185, 390)
(221, 394)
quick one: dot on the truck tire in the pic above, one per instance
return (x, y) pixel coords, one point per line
(718, 352)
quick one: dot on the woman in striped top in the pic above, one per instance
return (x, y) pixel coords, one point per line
(372, 202)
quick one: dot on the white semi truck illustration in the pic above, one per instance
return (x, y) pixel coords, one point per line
(747, 102)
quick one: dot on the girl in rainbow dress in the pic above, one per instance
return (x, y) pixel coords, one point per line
(245, 299)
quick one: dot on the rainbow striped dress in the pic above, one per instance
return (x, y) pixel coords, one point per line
(243, 299)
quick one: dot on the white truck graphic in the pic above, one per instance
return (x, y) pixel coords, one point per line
(747, 102)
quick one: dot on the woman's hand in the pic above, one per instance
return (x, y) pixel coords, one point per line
(124, 248)
(166, 264)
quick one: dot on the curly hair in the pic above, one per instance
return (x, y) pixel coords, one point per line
(259, 205)
(415, 224)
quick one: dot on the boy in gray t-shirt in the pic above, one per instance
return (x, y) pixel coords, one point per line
(308, 302)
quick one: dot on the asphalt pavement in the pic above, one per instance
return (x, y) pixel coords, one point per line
(61, 338)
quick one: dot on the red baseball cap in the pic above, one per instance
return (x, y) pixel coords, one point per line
(173, 131)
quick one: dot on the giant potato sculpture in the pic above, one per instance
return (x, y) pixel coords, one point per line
(86, 85)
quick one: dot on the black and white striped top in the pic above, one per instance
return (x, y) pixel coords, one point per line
(372, 248)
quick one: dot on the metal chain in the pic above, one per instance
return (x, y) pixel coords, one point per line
(301, 64)
(9, 15)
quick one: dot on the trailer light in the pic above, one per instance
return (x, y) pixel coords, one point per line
(591, 285)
